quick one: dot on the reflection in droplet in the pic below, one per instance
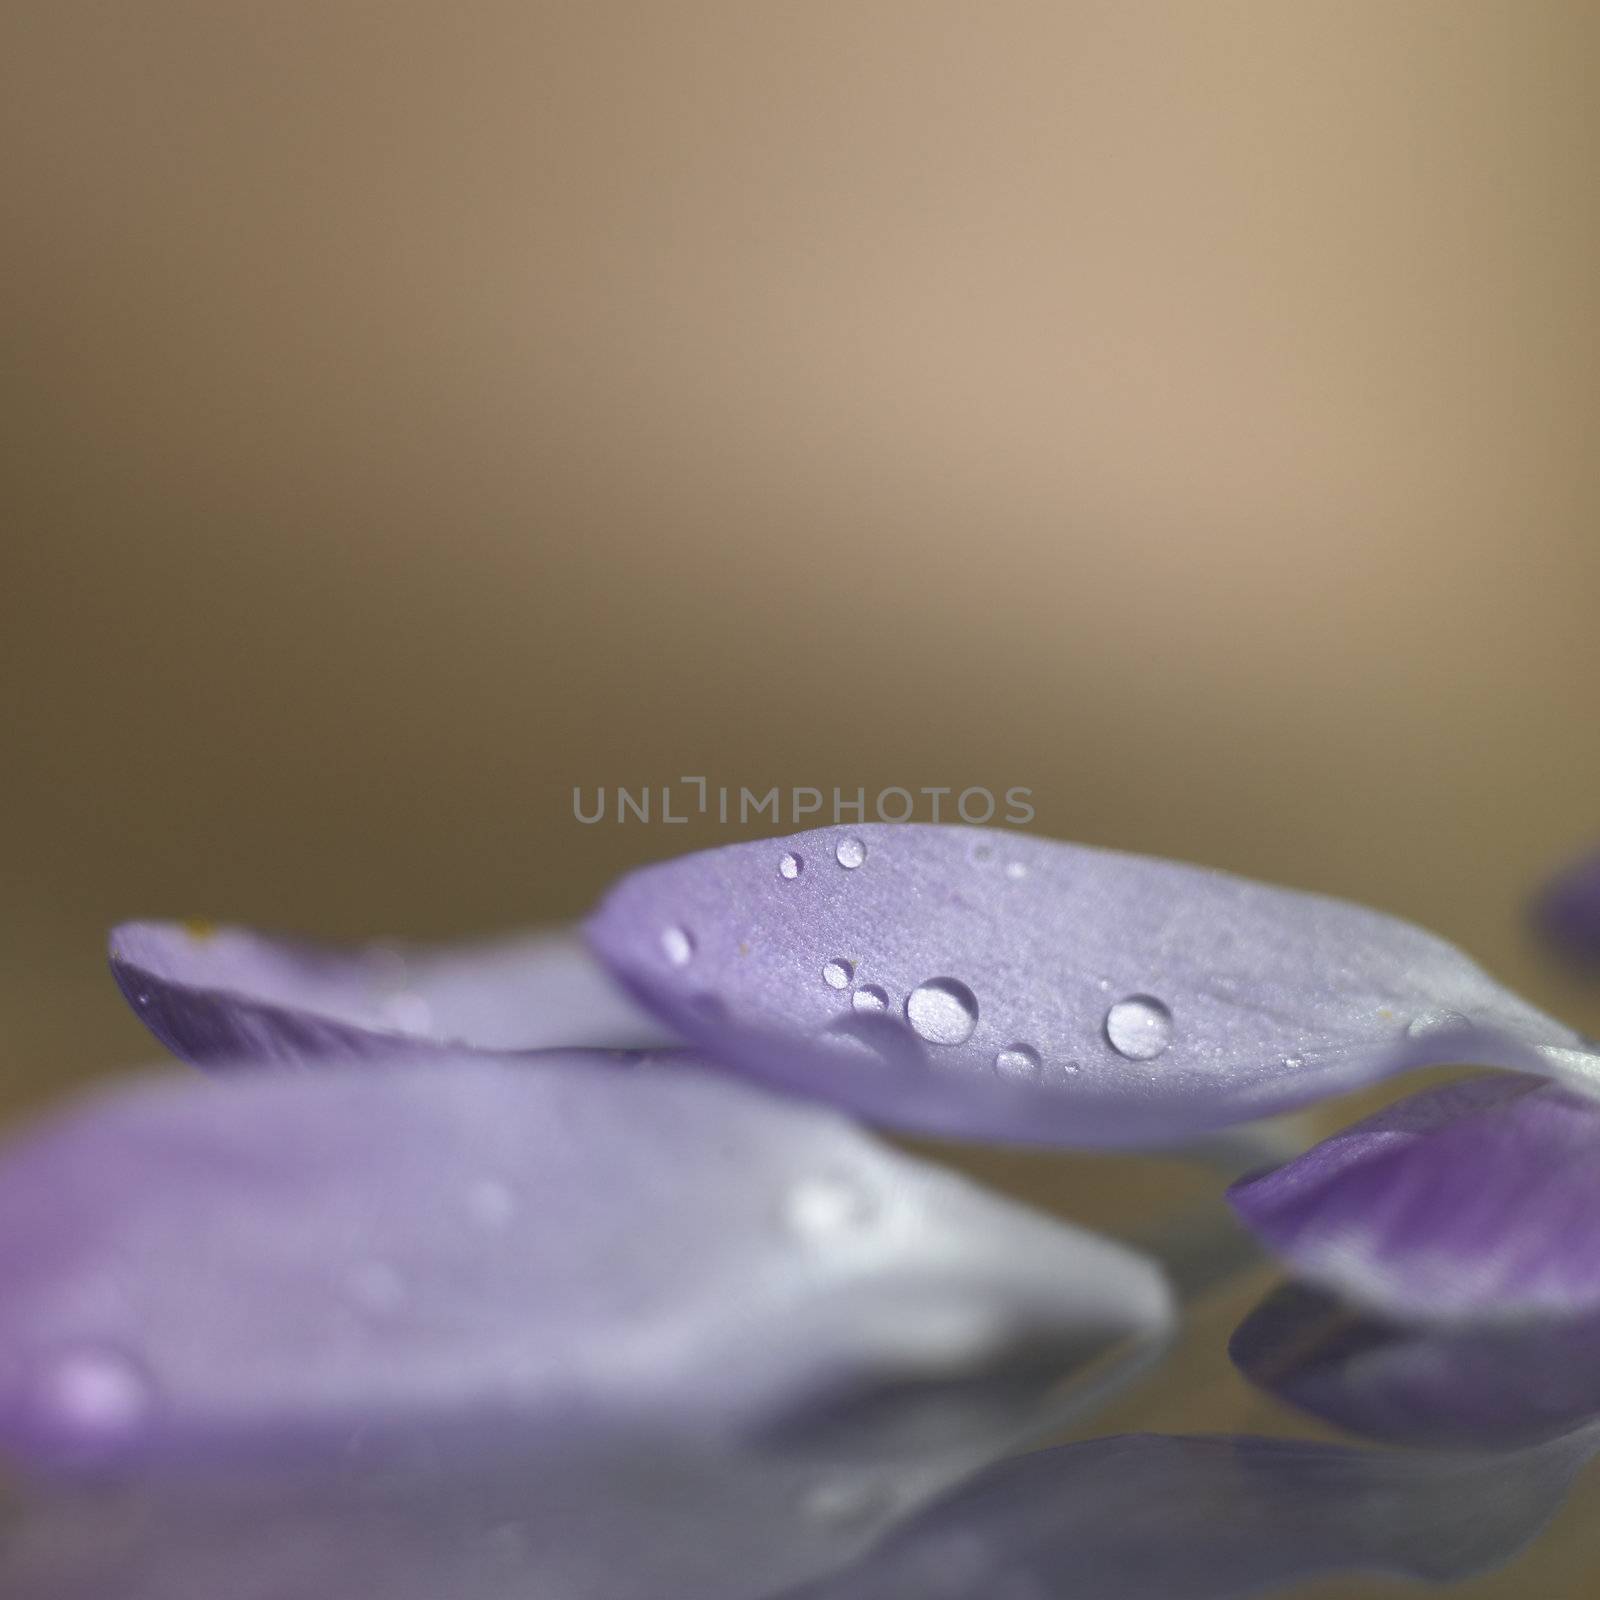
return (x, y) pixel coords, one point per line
(869, 997)
(850, 853)
(97, 1396)
(838, 973)
(677, 944)
(1015, 870)
(1139, 1027)
(824, 1207)
(1018, 1061)
(942, 1011)
(791, 866)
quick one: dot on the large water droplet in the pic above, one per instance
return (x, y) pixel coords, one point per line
(677, 944)
(869, 997)
(1018, 1061)
(1139, 1027)
(98, 1397)
(942, 1011)
(850, 853)
(824, 1207)
(791, 866)
(838, 973)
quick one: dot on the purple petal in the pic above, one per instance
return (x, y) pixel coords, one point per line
(217, 995)
(1050, 993)
(287, 1263)
(1433, 1387)
(1469, 1202)
(1150, 1517)
(1567, 911)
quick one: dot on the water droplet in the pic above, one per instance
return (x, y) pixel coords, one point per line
(1018, 1061)
(850, 853)
(377, 1286)
(677, 944)
(1015, 870)
(97, 1396)
(942, 1011)
(846, 1504)
(791, 866)
(823, 1207)
(869, 997)
(408, 1012)
(1293, 1063)
(838, 973)
(1139, 1027)
(491, 1203)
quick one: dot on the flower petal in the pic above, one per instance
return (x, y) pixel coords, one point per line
(1433, 1387)
(1471, 1202)
(1050, 993)
(216, 995)
(1567, 911)
(1210, 1518)
(194, 1271)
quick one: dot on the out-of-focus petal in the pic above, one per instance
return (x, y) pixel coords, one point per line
(1468, 1203)
(1047, 992)
(218, 994)
(1211, 1518)
(288, 1263)
(1567, 911)
(1433, 1387)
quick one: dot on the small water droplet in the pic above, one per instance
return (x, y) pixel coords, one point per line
(1015, 870)
(1103, 985)
(141, 1000)
(982, 851)
(491, 1203)
(838, 973)
(942, 1011)
(824, 1207)
(850, 853)
(677, 944)
(869, 997)
(791, 866)
(408, 1012)
(98, 1397)
(1293, 1063)
(1139, 1027)
(846, 1504)
(1018, 1061)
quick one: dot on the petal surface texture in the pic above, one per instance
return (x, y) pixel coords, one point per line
(219, 994)
(195, 1270)
(1470, 1203)
(978, 983)
(1436, 1388)
(1152, 1517)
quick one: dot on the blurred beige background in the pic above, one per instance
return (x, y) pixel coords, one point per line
(413, 410)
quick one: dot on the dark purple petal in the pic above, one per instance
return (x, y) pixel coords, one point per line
(217, 995)
(191, 1270)
(1047, 992)
(1475, 1201)
(1150, 1517)
(1567, 911)
(1433, 1387)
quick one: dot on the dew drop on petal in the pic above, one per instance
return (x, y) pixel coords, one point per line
(838, 973)
(1016, 870)
(869, 997)
(825, 1207)
(97, 1397)
(942, 1011)
(791, 866)
(850, 852)
(677, 944)
(1018, 1061)
(1139, 1027)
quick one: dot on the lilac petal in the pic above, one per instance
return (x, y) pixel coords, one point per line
(1143, 1516)
(1051, 993)
(192, 1271)
(1567, 911)
(1433, 1387)
(1471, 1202)
(217, 994)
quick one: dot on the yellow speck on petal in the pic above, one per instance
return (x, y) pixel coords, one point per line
(200, 929)
(744, 949)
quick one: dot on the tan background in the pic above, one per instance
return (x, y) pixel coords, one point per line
(412, 410)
